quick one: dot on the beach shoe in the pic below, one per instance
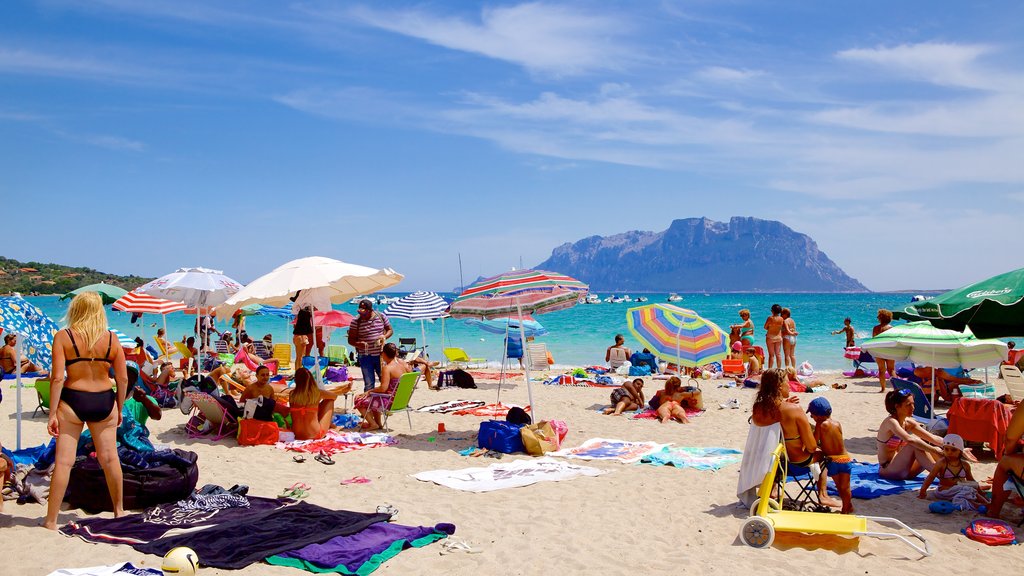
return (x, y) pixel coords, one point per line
(298, 458)
(387, 509)
(324, 458)
(734, 404)
(452, 545)
(356, 480)
(839, 386)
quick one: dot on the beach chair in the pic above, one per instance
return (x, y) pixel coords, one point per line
(283, 355)
(338, 354)
(406, 386)
(221, 347)
(734, 368)
(43, 395)
(617, 357)
(767, 517)
(804, 493)
(164, 352)
(406, 345)
(537, 355)
(459, 356)
(206, 408)
(1014, 382)
(923, 410)
(261, 350)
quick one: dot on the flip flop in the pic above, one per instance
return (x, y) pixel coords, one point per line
(324, 458)
(299, 458)
(387, 509)
(300, 486)
(356, 480)
(450, 545)
(294, 493)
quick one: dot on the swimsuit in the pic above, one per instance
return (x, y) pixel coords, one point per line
(790, 339)
(803, 463)
(747, 335)
(947, 475)
(89, 406)
(620, 394)
(894, 443)
(839, 464)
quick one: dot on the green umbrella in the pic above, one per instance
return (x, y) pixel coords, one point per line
(108, 292)
(992, 308)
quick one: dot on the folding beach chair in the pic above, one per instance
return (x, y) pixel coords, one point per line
(733, 368)
(923, 410)
(43, 395)
(459, 356)
(338, 354)
(1014, 382)
(165, 354)
(221, 347)
(803, 495)
(206, 408)
(261, 350)
(283, 355)
(406, 345)
(767, 517)
(406, 385)
(537, 355)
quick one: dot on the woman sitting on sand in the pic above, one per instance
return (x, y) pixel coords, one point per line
(904, 446)
(372, 407)
(774, 404)
(311, 408)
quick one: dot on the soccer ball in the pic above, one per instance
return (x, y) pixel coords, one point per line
(180, 561)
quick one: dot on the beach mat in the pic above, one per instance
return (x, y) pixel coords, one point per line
(693, 457)
(334, 443)
(512, 474)
(866, 484)
(607, 449)
(451, 406)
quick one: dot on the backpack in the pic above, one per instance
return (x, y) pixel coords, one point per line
(462, 379)
(640, 370)
(991, 532)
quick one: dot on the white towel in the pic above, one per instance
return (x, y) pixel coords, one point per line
(757, 458)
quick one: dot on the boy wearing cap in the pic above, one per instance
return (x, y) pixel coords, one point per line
(829, 435)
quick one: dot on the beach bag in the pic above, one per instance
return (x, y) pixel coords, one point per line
(336, 374)
(517, 415)
(462, 379)
(561, 429)
(170, 482)
(806, 370)
(256, 432)
(644, 370)
(500, 436)
(990, 531)
(539, 438)
(692, 397)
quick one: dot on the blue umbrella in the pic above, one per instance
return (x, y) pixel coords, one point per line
(35, 330)
(502, 325)
(264, 310)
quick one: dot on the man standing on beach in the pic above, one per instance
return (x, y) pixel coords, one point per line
(367, 334)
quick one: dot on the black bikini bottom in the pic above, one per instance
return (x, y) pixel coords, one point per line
(89, 406)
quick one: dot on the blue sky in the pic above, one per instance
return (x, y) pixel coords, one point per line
(137, 137)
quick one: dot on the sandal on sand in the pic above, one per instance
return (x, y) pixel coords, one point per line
(299, 458)
(324, 458)
(297, 491)
(387, 509)
(356, 480)
(839, 386)
(451, 545)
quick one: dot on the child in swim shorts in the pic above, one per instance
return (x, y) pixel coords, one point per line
(829, 434)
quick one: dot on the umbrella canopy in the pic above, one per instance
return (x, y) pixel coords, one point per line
(992, 308)
(924, 344)
(321, 280)
(124, 339)
(34, 328)
(145, 304)
(502, 325)
(516, 292)
(333, 318)
(108, 292)
(677, 334)
(263, 310)
(417, 306)
(192, 286)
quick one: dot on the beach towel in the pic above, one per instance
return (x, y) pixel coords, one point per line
(124, 569)
(498, 410)
(508, 474)
(866, 484)
(363, 552)
(606, 449)
(451, 406)
(335, 442)
(690, 457)
(492, 375)
(649, 414)
(581, 382)
(757, 459)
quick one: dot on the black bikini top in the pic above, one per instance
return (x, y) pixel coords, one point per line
(106, 357)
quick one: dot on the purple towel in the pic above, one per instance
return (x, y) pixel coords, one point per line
(352, 551)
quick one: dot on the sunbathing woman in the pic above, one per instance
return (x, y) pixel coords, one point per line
(773, 337)
(774, 404)
(311, 408)
(670, 401)
(372, 407)
(904, 446)
(80, 394)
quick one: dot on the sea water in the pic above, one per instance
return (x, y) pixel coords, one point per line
(579, 335)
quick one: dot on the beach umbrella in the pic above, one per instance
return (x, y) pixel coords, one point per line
(139, 303)
(35, 332)
(678, 334)
(519, 292)
(264, 310)
(108, 292)
(531, 327)
(195, 287)
(332, 318)
(992, 308)
(420, 306)
(123, 339)
(316, 281)
(924, 344)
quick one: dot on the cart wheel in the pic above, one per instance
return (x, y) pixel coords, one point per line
(757, 532)
(772, 505)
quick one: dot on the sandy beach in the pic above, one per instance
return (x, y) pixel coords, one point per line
(636, 519)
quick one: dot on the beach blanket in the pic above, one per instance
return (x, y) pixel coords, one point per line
(571, 380)
(348, 421)
(363, 552)
(31, 455)
(123, 569)
(451, 406)
(507, 474)
(649, 414)
(335, 442)
(605, 449)
(498, 410)
(691, 457)
(866, 484)
(492, 375)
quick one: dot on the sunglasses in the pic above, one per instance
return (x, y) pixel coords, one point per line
(904, 392)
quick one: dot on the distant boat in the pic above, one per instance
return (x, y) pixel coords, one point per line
(626, 298)
(618, 300)
(641, 299)
(919, 298)
(593, 299)
(609, 299)
(673, 297)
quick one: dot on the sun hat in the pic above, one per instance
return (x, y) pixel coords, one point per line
(820, 407)
(738, 346)
(953, 440)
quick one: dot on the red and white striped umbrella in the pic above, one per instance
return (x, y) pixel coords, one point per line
(146, 304)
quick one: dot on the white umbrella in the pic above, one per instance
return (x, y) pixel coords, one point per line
(319, 281)
(195, 287)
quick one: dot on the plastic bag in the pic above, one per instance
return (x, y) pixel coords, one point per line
(539, 438)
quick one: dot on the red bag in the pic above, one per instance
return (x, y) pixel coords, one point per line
(991, 532)
(253, 432)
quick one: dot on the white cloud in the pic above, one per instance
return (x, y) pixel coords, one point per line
(724, 74)
(546, 38)
(944, 64)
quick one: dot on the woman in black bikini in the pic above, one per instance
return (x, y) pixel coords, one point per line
(774, 404)
(86, 351)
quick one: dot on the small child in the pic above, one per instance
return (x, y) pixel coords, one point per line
(956, 483)
(628, 397)
(848, 331)
(829, 435)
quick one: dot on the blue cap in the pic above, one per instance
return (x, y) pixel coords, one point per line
(820, 407)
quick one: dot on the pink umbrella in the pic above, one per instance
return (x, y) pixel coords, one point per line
(333, 318)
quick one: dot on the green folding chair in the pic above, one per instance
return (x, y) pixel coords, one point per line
(406, 385)
(338, 353)
(43, 393)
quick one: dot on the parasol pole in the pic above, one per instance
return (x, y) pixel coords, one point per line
(423, 335)
(17, 380)
(526, 365)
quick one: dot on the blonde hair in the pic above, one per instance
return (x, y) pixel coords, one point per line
(306, 392)
(87, 317)
(744, 313)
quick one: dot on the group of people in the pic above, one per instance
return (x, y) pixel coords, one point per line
(780, 336)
